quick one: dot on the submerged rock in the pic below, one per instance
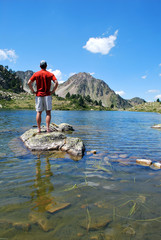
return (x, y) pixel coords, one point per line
(22, 226)
(141, 199)
(54, 140)
(129, 231)
(92, 151)
(41, 220)
(95, 223)
(17, 147)
(52, 208)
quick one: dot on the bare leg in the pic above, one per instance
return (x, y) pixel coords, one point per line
(38, 120)
(48, 119)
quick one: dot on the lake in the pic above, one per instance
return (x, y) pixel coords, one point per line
(105, 195)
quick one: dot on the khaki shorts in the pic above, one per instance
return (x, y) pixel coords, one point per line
(43, 103)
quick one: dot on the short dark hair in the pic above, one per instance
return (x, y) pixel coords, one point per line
(43, 64)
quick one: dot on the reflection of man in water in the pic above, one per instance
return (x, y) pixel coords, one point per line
(41, 196)
(43, 80)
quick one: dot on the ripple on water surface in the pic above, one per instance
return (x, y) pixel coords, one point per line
(103, 196)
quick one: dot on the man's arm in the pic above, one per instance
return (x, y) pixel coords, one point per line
(55, 86)
(30, 86)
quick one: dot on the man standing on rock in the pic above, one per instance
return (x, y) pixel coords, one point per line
(43, 80)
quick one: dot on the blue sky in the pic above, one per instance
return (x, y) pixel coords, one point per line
(118, 41)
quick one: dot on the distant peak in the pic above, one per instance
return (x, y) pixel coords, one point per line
(82, 75)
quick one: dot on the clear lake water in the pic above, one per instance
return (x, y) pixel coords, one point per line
(103, 196)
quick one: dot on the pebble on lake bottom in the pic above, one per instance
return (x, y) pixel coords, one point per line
(96, 222)
(123, 155)
(22, 226)
(91, 151)
(52, 208)
(41, 220)
(129, 231)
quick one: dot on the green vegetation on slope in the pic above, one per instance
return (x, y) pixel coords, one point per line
(9, 81)
(147, 107)
(10, 100)
(12, 96)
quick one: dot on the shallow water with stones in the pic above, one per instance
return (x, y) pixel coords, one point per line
(102, 196)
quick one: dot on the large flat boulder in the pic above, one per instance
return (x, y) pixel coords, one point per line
(54, 140)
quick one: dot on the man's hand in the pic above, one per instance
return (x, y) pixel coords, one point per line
(30, 86)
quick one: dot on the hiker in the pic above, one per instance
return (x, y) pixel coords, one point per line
(43, 94)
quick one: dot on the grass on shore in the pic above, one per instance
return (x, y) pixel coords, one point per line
(27, 101)
(147, 107)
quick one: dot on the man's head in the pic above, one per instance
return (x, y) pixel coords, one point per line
(43, 64)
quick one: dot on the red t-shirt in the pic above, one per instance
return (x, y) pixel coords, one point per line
(43, 81)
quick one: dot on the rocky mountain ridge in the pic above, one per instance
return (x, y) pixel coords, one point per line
(136, 101)
(82, 84)
(85, 84)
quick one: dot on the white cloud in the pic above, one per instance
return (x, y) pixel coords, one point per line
(157, 96)
(121, 93)
(105, 33)
(6, 54)
(159, 74)
(61, 81)
(144, 77)
(57, 73)
(101, 45)
(91, 73)
(72, 73)
(153, 91)
(160, 65)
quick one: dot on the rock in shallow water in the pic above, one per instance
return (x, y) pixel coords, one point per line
(129, 231)
(54, 140)
(41, 220)
(21, 225)
(52, 208)
(157, 165)
(157, 126)
(144, 162)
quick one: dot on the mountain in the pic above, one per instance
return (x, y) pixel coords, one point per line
(81, 84)
(136, 101)
(25, 76)
(85, 84)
